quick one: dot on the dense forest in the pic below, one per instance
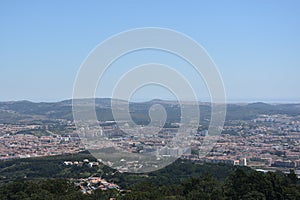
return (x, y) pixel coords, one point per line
(238, 185)
(26, 179)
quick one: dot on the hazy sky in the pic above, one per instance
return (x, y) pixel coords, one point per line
(255, 44)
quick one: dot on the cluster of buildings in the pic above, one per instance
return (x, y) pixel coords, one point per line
(88, 185)
(81, 163)
(25, 145)
(14, 128)
(286, 163)
(268, 140)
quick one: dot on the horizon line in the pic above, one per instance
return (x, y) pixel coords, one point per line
(230, 101)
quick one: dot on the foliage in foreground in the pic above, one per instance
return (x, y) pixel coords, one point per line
(240, 184)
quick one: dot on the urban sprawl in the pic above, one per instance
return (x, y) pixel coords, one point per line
(269, 141)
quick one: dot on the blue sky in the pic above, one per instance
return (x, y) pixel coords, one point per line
(255, 44)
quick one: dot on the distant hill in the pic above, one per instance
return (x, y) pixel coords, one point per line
(25, 111)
